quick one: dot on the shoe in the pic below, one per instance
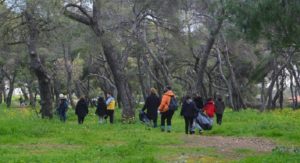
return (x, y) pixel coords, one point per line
(168, 131)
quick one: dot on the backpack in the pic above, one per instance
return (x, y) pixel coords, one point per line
(173, 104)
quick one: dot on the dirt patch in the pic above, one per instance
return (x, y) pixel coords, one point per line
(230, 143)
(231, 147)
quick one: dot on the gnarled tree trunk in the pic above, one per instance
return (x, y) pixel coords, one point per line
(36, 65)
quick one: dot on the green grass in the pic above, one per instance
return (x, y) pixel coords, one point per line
(24, 137)
(280, 125)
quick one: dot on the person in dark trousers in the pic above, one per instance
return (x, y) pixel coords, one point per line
(101, 109)
(189, 111)
(166, 114)
(62, 108)
(198, 101)
(220, 107)
(151, 104)
(111, 104)
(81, 110)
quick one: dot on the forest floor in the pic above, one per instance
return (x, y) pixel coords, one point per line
(245, 136)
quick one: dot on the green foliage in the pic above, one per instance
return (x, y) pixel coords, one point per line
(262, 69)
(274, 20)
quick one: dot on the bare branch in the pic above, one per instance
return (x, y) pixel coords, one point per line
(86, 19)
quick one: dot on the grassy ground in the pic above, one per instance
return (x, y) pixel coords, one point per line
(24, 137)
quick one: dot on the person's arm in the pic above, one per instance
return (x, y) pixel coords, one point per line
(182, 107)
(109, 100)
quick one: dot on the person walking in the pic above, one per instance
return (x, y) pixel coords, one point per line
(166, 113)
(62, 108)
(151, 105)
(220, 107)
(210, 109)
(189, 112)
(101, 109)
(81, 110)
(198, 101)
(111, 104)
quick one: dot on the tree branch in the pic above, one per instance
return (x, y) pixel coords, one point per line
(86, 19)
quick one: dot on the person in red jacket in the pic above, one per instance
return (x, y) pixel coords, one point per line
(210, 109)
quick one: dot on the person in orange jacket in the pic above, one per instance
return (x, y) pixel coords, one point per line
(166, 114)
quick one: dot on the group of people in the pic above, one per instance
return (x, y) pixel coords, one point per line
(105, 109)
(191, 107)
(165, 106)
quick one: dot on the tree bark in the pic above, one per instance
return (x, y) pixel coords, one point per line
(262, 97)
(225, 79)
(11, 89)
(69, 71)
(120, 79)
(141, 76)
(2, 89)
(36, 65)
(25, 94)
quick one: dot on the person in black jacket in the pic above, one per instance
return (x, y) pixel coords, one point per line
(220, 107)
(81, 110)
(198, 101)
(151, 104)
(189, 112)
(101, 109)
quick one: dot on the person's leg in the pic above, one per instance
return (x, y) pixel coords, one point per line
(64, 116)
(169, 120)
(82, 120)
(191, 121)
(79, 119)
(186, 125)
(221, 118)
(162, 121)
(154, 122)
(218, 118)
(211, 120)
(111, 118)
(109, 113)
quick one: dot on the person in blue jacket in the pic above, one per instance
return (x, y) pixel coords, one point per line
(63, 108)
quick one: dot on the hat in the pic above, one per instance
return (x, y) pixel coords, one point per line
(62, 97)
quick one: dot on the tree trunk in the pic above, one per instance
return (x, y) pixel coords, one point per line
(69, 71)
(25, 94)
(11, 89)
(120, 79)
(36, 65)
(262, 96)
(224, 79)
(1, 91)
(141, 76)
(32, 102)
(236, 93)
(201, 70)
